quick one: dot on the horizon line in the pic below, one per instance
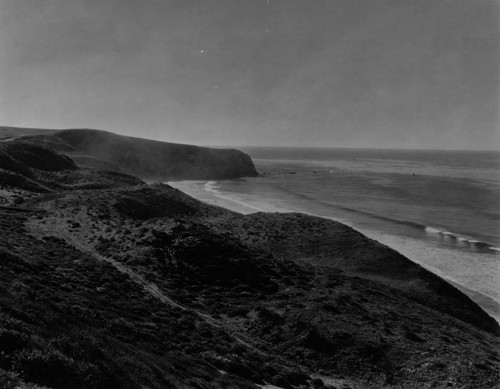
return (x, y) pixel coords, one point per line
(497, 149)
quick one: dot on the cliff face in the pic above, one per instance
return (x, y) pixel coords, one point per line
(147, 159)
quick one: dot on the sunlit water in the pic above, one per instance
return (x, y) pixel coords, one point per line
(440, 209)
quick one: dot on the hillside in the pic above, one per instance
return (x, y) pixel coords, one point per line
(147, 159)
(108, 282)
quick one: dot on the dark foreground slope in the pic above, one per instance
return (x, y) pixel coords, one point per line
(126, 285)
(147, 159)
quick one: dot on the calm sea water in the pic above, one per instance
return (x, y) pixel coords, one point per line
(439, 208)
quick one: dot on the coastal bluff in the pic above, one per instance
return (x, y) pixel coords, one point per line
(107, 281)
(148, 159)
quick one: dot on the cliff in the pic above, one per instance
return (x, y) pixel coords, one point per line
(147, 159)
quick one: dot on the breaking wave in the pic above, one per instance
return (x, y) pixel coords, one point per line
(211, 186)
(444, 235)
(461, 240)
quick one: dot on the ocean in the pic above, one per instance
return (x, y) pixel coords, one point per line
(441, 209)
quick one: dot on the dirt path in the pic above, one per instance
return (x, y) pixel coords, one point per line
(138, 279)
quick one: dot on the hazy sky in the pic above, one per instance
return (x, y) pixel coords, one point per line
(370, 73)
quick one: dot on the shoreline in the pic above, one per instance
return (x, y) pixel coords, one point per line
(205, 191)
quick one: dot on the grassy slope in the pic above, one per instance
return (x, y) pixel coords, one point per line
(107, 282)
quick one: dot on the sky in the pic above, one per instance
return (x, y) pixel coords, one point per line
(320, 73)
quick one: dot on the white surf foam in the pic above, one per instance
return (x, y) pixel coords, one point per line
(211, 186)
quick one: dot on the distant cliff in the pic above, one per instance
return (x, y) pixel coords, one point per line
(148, 159)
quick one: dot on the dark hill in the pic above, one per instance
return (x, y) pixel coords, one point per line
(22, 155)
(148, 159)
(27, 169)
(329, 243)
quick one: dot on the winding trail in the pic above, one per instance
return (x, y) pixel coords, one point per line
(137, 278)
